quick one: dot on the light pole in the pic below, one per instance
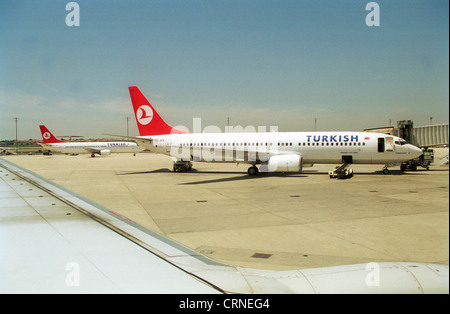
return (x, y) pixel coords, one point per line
(16, 119)
(128, 118)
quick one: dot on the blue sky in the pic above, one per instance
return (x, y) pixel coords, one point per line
(261, 63)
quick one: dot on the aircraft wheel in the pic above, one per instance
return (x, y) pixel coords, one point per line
(349, 173)
(386, 171)
(253, 171)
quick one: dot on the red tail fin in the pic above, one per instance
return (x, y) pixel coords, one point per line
(148, 120)
(48, 136)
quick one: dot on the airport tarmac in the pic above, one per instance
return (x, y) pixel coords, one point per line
(271, 221)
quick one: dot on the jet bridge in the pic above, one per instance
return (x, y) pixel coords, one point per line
(425, 137)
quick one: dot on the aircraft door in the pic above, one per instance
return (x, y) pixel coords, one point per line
(389, 145)
(168, 144)
(385, 144)
(381, 144)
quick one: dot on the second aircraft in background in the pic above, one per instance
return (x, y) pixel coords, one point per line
(101, 148)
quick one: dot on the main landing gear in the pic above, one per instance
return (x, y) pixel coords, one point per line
(341, 172)
(253, 170)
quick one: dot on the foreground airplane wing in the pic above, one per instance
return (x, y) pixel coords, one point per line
(55, 241)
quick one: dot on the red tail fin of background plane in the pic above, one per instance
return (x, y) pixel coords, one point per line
(148, 120)
(48, 136)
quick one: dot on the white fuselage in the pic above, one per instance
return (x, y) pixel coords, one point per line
(93, 147)
(257, 148)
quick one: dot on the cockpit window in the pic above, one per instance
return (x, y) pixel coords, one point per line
(401, 142)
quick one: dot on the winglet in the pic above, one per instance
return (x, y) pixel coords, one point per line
(148, 120)
(48, 137)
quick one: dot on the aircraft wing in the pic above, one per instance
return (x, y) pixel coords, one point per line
(93, 150)
(55, 241)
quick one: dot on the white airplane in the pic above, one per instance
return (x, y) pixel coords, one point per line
(102, 148)
(273, 151)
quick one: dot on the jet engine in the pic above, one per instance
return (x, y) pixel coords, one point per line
(105, 152)
(285, 163)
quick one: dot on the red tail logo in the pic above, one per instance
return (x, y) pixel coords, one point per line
(148, 120)
(48, 137)
(144, 115)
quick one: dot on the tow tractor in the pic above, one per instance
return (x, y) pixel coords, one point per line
(182, 166)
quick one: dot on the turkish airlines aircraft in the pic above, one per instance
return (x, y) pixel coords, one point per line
(274, 151)
(102, 148)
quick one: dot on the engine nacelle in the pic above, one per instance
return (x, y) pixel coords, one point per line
(105, 152)
(284, 163)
